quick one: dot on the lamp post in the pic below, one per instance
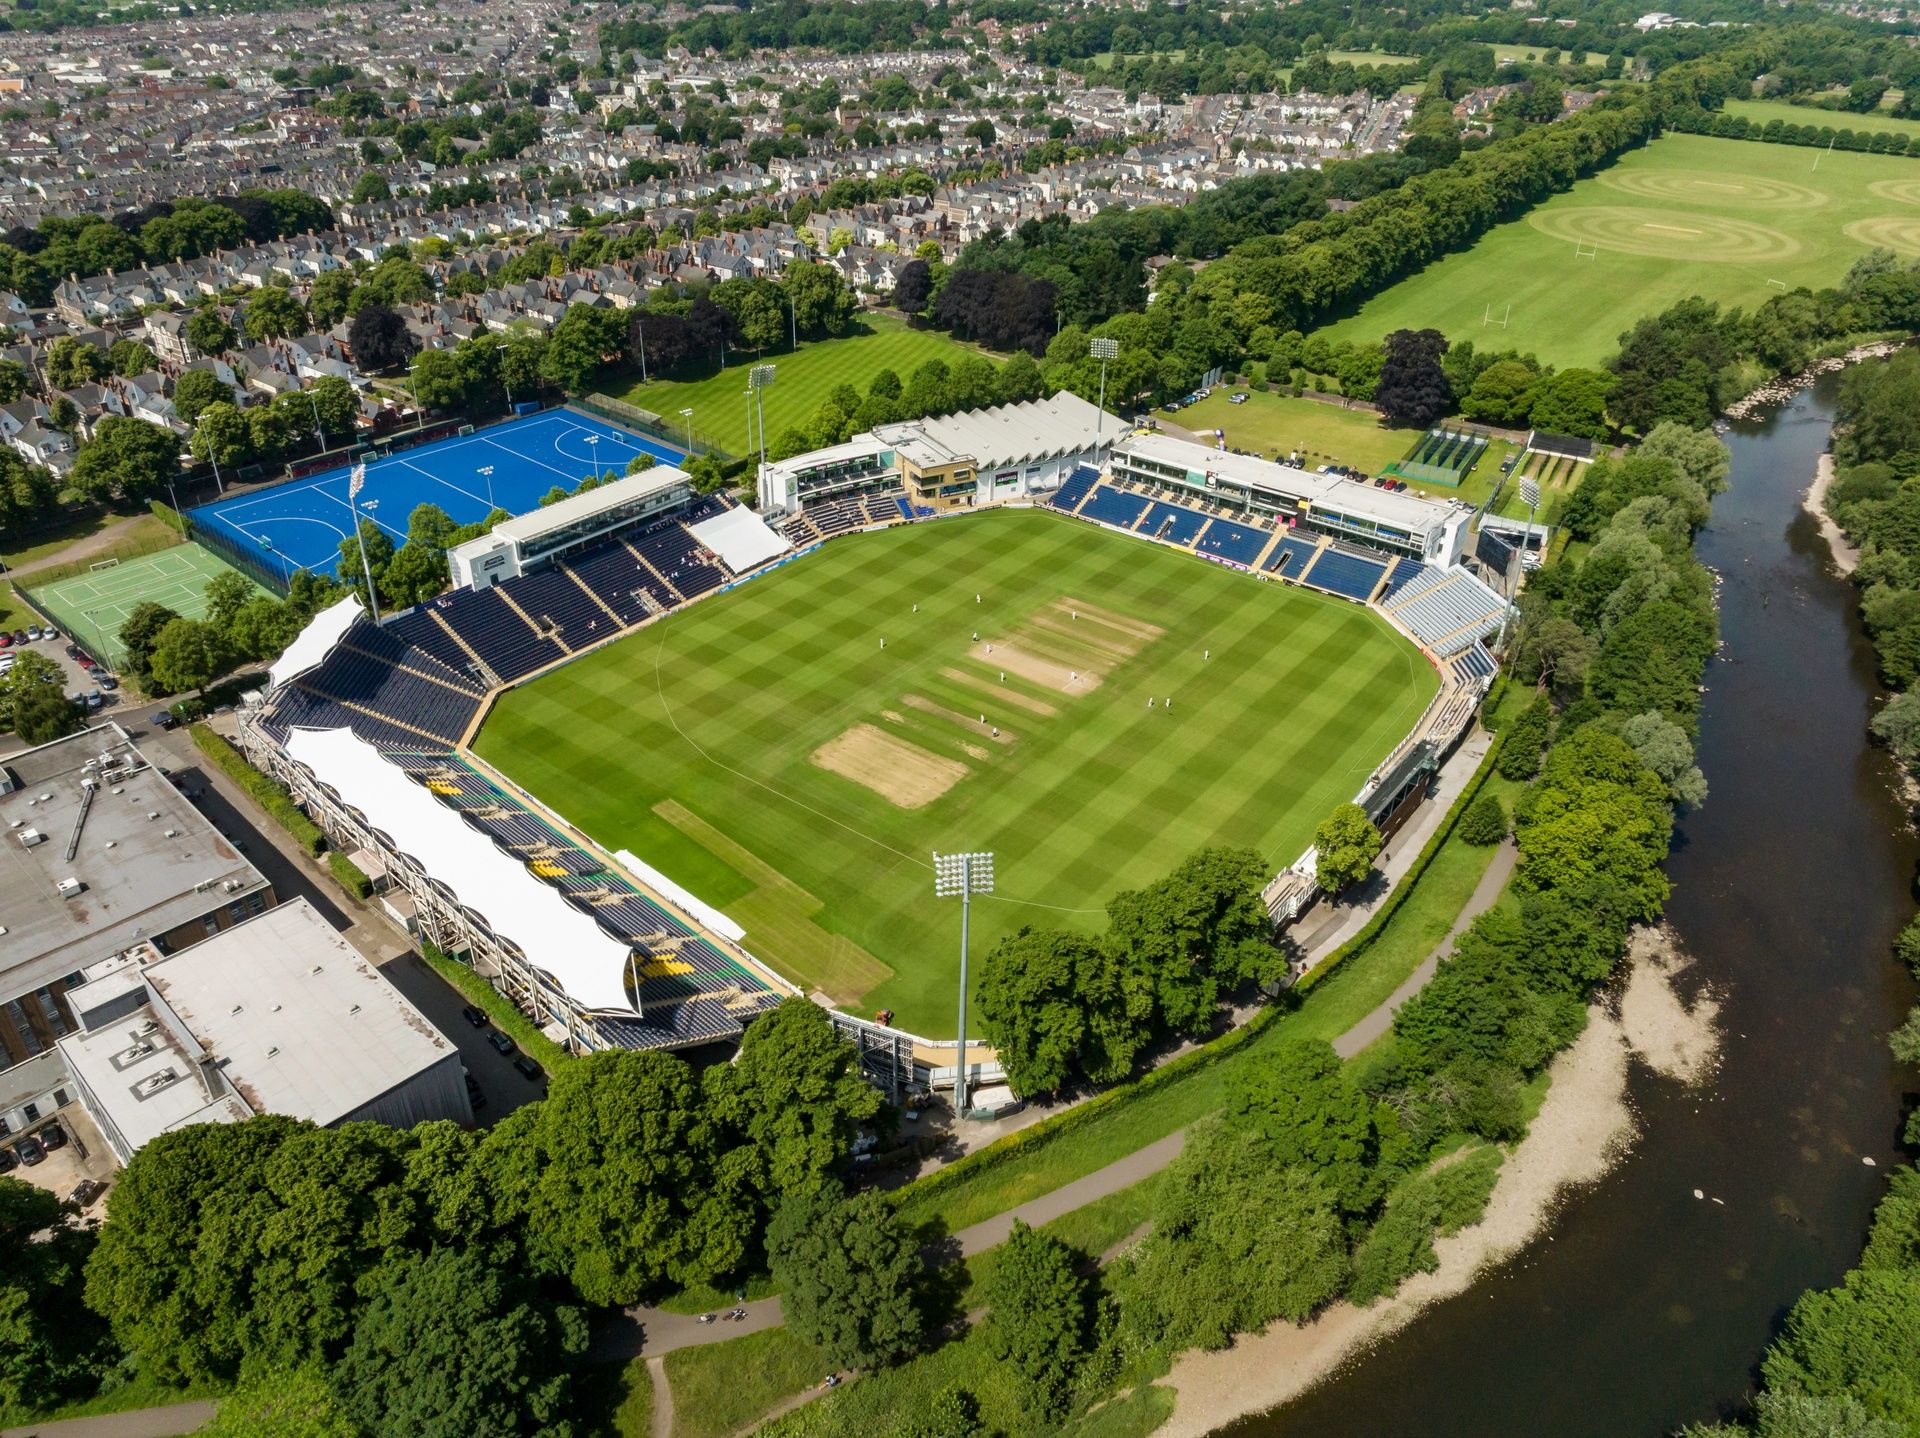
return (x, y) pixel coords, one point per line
(793, 324)
(593, 449)
(1530, 493)
(1102, 349)
(356, 481)
(640, 328)
(502, 349)
(758, 378)
(319, 431)
(486, 472)
(212, 458)
(965, 875)
(687, 415)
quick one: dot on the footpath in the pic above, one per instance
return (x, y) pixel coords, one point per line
(654, 1332)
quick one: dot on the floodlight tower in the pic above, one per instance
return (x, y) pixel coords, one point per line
(758, 378)
(1102, 349)
(1530, 496)
(965, 875)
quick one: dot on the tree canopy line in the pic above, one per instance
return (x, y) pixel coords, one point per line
(433, 1279)
(1847, 1359)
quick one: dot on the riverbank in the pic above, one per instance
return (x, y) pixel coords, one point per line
(1780, 390)
(1584, 1126)
(1846, 556)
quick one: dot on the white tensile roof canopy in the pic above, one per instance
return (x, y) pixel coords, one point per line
(315, 642)
(588, 963)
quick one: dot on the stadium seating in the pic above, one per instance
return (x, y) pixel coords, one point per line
(619, 579)
(680, 559)
(1476, 663)
(1447, 610)
(1240, 543)
(499, 636)
(419, 629)
(555, 602)
(1076, 487)
(1290, 556)
(1111, 506)
(1341, 572)
(1402, 572)
(1172, 522)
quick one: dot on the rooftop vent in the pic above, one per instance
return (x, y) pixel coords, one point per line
(30, 837)
(69, 887)
(155, 1082)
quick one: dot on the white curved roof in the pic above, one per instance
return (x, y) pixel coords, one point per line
(588, 963)
(315, 642)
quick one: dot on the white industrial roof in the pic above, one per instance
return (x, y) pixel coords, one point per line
(1007, 434)
(562, 513)
(588, 963)
(740, 537)
(315, 642)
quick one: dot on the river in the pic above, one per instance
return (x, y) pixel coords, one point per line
(1644, 1308)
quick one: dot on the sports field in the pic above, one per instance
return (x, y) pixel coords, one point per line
(802, 380)
(767, 751)
(92, 607)
(1730, 220)
(1761, 112)
(299, 525)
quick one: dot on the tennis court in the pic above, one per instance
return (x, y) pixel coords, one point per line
(92, 607)
(299, 525)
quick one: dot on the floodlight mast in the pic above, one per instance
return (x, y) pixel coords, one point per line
(758, 378)
(1103, 349)
(965, 875)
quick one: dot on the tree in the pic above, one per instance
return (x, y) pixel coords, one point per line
(847, 1272)
(187, 654)
(336, 401)
(1039, 1317)
(1897, 725)
(371, 188)
(794, 1096)
(42, 714)
(1524, 743)
(195, 390)
(126, 459)
(31, 672)
(913, 287)
(208, 332)
(1860, 1340)
(130, 357)
(327, 297)
(51, 1345)
(380, 339)
(1502, 394)
(1412, 391)
(72, 362)
(278, 1403)
(584, 341)
(1346, 844)
(224, 595)
(1663, 746)
(1030, 1007)
(222, 435)
(1187, 935)
(1485, 821)
(822, 302)
(137, 636)
(612, 1180)
(1574, 402)
(1300, 1099)
(273, 313)
(1236, 1244)
(454, 1346)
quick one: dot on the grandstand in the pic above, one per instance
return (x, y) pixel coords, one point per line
(1446, 610)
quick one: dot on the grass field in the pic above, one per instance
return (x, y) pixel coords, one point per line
(1275, 425)
(766, 751)
(1760, 112)
(1513, 54)
(93, 606)
(1368, 57)
(1685, 215)
(802, 380)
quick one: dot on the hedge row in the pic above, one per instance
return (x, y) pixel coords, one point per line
(506, 1018)
(1016, 1145)
(168, 516)
(268, 792)
(349, 875)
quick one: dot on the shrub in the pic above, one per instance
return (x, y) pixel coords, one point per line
(349, 875)
(269, 793)
(506, 1018)
(1485, 821)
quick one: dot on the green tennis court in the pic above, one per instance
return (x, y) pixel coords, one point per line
(91, 607)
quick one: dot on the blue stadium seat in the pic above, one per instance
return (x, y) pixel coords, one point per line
(1111, 506)
(1339, 572)
(1240, 543)
(1290, 556)
(1070, 493)
(1174, 523)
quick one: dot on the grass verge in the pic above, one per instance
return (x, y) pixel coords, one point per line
(266, 791)
(139, 1391)
(721, 1388)
(614, 1400)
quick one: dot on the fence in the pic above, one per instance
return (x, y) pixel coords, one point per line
(266, 567)
(618, 411)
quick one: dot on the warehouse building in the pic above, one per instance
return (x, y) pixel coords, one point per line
(277, 1015)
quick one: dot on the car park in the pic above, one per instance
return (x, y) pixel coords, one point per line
(528, 1068)
(474, 1015)
(502, 1045)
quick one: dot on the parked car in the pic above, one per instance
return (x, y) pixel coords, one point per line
(163, 719)
(529, 1069)
(95, 699)
(474, 1015)
(502, 1045)
(9, 1160)
(1237, 398)
(86, 1191)
(6, 639)
(50, 633)
(53, 1136)
(85, 661)
(73, 651)
(31, 1151)
(106, 680)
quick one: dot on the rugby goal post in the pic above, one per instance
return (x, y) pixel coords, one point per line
(1586, 249)
(1487, 319)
